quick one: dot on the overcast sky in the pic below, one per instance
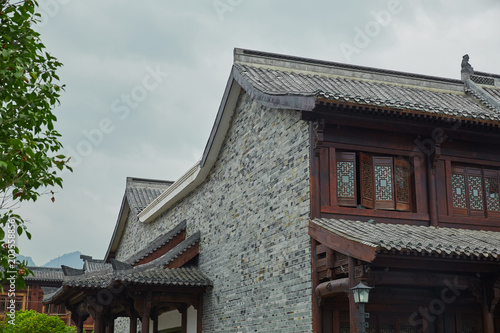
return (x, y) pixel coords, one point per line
(144, 80)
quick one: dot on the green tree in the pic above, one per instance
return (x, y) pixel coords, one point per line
(34, 322)
(29, 90)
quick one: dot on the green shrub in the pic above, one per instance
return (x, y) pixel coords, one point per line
(34, 322)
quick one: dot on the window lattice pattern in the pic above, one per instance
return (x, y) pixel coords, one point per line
(476, 192)
(383, 183)
(402, 183)
(344, 328)
(458, 189)
(345, 179)
(367, 180)
(493, 199)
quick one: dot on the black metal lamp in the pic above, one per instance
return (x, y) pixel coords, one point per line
(361, 293)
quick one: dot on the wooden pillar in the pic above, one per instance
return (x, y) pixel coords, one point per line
(110, 324)
(98, 322)
(79, 326)
(133, 324)
(77, 318)
(488, 321)
(184, 319)
(131, 312)
(199, 314)
(431, 188)
(146, 313)
(316, 310)
(353, 309)
(336, 321)
(154, 317)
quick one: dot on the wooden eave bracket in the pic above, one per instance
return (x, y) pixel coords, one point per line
(341, 244)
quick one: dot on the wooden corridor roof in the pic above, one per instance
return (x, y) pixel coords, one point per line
(364, 240)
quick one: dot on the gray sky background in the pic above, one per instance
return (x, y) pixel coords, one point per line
(117, 119)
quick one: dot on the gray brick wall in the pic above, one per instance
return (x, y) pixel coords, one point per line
(253, 213)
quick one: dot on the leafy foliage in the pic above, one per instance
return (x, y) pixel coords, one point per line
(29, 144)
(34, 322)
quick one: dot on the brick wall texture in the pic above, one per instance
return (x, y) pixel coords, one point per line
(253, 213)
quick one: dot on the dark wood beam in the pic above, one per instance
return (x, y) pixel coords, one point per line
(174, 298)
(421, 279)
(383, 118)
(341, 244)
(435, 263)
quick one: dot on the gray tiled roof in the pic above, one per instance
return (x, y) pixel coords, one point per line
(48, 290)
(45, 274)
(97, 279)
(184, 276)
(141, 192)
(493, 92)
(157, 243)
(276, 81)
(95, 265)
(402, 238)
(173, 253)
(289, 82)
(90, 264)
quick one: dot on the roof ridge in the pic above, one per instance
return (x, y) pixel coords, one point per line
(482, 96)
(256, 57)
(137, 179)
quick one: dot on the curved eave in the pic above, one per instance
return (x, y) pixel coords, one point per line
(399, 111)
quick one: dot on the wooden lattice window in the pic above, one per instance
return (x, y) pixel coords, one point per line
(474, 191)
(346, 179)
(384, 182)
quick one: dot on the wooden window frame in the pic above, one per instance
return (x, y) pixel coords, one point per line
(466, 172)
(365, 183)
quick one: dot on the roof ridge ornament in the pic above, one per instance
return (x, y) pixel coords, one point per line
(70, 271)
(467, 69)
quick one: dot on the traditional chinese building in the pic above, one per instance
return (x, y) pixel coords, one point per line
(316, 176)
(44, 281)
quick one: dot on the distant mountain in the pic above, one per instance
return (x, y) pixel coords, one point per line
(28, 259)
(69, 259)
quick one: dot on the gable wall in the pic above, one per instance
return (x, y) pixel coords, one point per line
(253, 214)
